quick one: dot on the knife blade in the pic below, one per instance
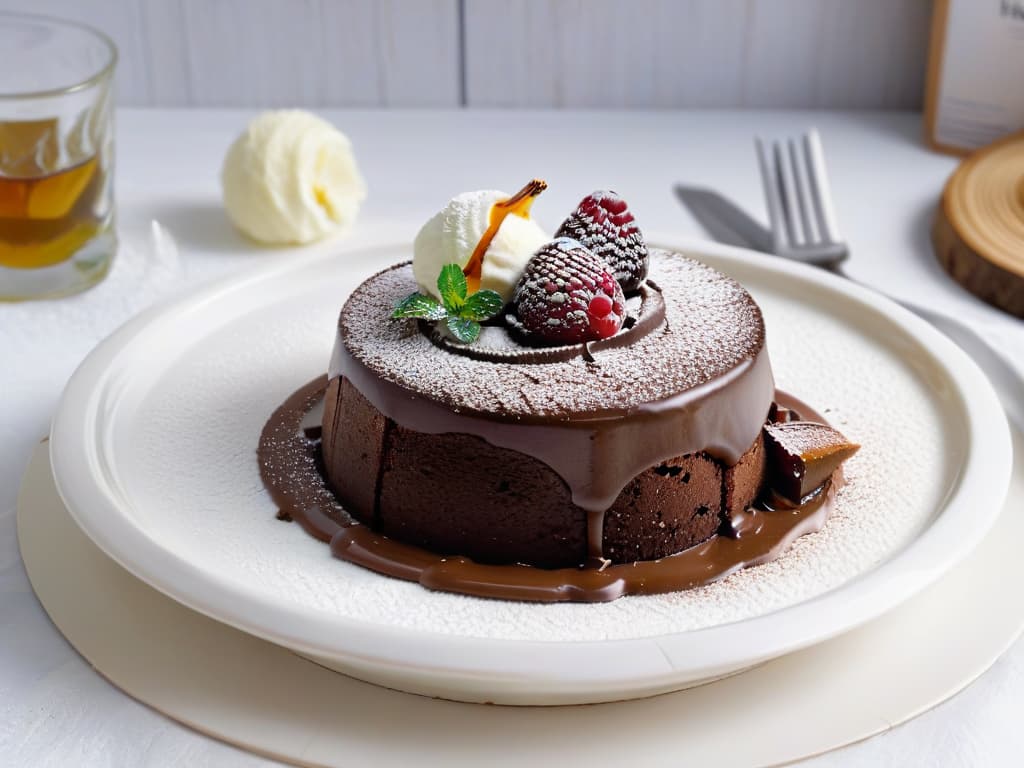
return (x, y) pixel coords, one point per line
(724, 220)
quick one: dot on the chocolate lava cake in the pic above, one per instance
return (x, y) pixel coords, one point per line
(568, 418)
(630, 448)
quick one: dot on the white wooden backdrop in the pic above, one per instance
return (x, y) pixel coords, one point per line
(512, 53)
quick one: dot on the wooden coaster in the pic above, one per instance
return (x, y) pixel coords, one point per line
(978, 233)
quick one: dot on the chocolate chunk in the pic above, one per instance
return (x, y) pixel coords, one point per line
(802, 455)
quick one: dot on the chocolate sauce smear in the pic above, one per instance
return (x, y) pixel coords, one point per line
(290, 465)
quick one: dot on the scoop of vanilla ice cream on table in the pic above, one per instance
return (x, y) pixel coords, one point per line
(291, 177)
(452, 236)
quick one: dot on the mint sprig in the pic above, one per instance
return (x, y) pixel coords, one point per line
(462, 328)
(461, 313)
(451, 284)
(418, 305)
(482, 305)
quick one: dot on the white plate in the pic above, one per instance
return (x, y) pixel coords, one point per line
(231, 685)
(153, 448)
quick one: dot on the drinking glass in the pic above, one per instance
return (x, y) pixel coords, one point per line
(56, 156)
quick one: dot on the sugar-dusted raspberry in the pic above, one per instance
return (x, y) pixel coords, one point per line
(604, 224)
(568, 296)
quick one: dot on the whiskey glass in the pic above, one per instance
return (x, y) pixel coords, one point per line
(56, 157)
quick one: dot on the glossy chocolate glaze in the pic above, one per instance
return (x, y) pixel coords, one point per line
(291, 470)
(598, 455)
(706, 393)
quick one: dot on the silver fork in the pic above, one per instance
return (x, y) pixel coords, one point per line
(803, 228)
(803, 221)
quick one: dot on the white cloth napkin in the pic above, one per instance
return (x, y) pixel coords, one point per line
(42, 342)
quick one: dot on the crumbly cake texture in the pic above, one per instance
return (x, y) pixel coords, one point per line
(693, 346)
(205, 416)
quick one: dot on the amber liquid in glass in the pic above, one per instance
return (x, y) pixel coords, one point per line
(47, 213)
(46, 219)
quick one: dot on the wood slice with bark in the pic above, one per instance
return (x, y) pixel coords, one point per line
(978, 233)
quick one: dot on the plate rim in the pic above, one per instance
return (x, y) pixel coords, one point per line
(551, 664)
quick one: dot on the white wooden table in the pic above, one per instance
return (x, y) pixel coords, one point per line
(56, 711)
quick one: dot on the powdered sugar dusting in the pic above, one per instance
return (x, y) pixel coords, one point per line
(711, 325)
(203, 417)
(806, 439)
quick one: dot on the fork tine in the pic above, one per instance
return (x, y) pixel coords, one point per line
(820, 192)
(803, 197)
(788, 193)
(771, 194)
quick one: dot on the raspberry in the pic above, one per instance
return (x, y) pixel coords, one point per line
(604, 224)
(568, 296)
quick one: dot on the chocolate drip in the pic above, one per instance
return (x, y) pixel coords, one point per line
(599, 452)
(292, 473)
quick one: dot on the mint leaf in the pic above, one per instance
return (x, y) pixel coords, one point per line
(451, 284)
(460, 314)
(465, 330)
(418, 305)
(482, 305)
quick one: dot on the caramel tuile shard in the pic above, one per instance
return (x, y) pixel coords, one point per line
(519, 204)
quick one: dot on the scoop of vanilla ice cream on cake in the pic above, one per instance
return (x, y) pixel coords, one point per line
(291, 177)
(451, 236)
